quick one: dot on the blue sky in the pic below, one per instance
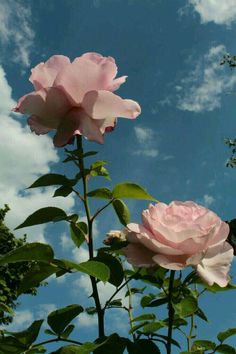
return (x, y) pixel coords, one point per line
(171, 52)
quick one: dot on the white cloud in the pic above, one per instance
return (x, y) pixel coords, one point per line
(207, 200)
(146, 139)
(65, 242)
(143, 134)
(22, 320)
(43, 310)
(147, 152)
(222, 12)
(15, 31)
(85, 320)
(105, 290)
(23, 157)
(204, 85)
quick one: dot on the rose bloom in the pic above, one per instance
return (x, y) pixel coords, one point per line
(178, 235)
(76, 98)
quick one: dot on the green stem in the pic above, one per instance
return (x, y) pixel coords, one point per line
(171, 311)
(189, 337)
(100, 311)
(57, 340)
(130, 307)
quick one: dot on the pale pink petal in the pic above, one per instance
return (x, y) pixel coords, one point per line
(105, 125)
(77, 122)
(221, 233)
(116, 83)
(215, 265)
(49, 104)
(36, 126)
(109, 66)
(44, 74)
(103, 104)
(139, 234)
(170, 262)
(85, 75)
(138, 255)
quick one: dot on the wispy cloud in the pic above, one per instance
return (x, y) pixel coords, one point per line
(207, 81)
(207, 200)
(16, 34)
(217, 11)
(146, 139)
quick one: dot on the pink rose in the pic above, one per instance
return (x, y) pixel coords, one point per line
(76, 98)
(179, 235)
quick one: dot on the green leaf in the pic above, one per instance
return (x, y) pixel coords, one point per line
(67, 332)
(90, 153)
(59, 319)
(91, 310)
(36, 350)
(122, 211)
(10, 345)
(135, 291)
(85, 348)
(28, 336)
(114, 344)
(95, 269)
(174, 342)
(138, 326)
(35, 276)
(186, 307)
(29, 252)
(98, 169)
(78, 232)
(63, 191)
(115, 303)
(102, 193)
(203, 345)
(51, 179)
(115, 267)
(222, 336)
(146, 316)
(201, 314)
(157, 302)
(5, 308)
(131, 190)
(153, 326)
(143, 346)
(225, 349)
(49, 332)
(42, 216)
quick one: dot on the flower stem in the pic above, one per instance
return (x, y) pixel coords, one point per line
(171, 311)
(100, 311)
(130, 307)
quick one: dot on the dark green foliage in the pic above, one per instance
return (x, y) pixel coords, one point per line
(11, 274)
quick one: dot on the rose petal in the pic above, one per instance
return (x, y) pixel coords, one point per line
(49, 104)
(36, 126)
(139, 234)
(105, 125)
(215, 265)
(77, 122)
(102, 104)
(138, 255)
(84, 75)
(170, 262)
(44, 74)
(116, 83)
